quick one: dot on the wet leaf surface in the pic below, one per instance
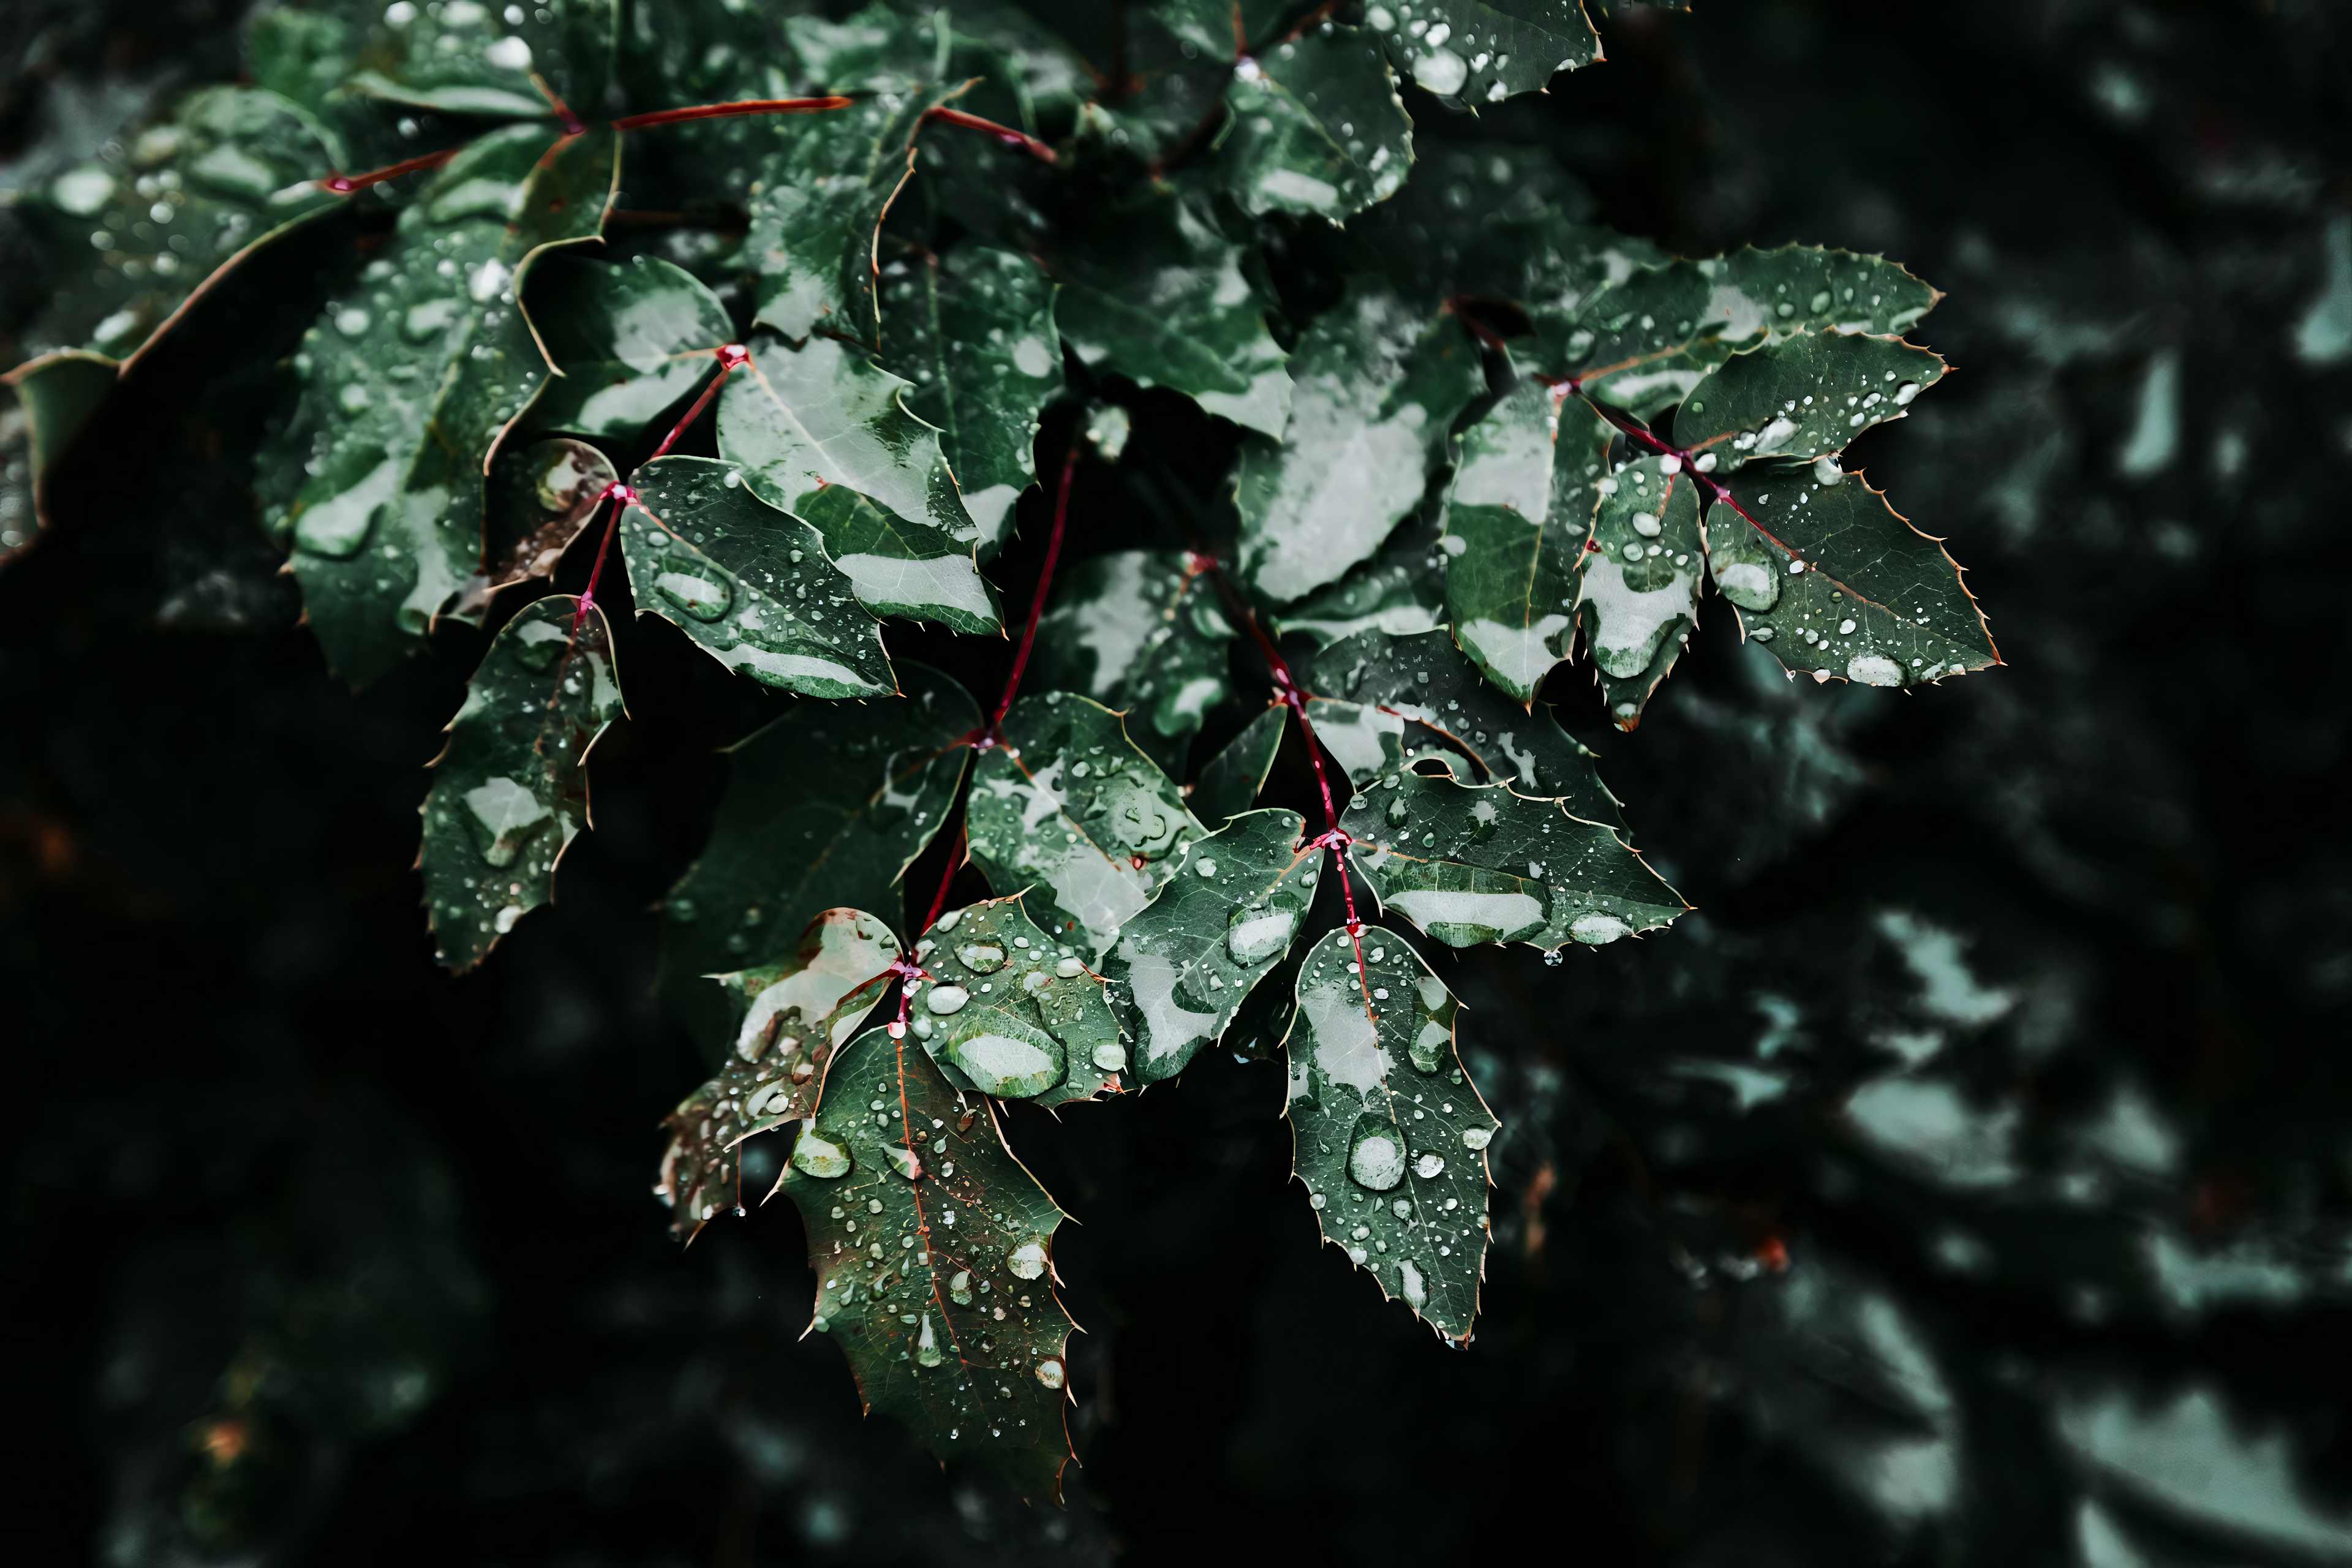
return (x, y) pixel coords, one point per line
(1009, 1011)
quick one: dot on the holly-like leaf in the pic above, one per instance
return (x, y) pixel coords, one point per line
(1231, 780)
(1637, 594)
(795, 1015)
(748, 583)
(1515, 527)
(1367, 742)
(474, 59)
(629, 343)
(1316, 129)
(824, 809)
(824, 417)
(510, 788)
(1803, 396)
(1426, 681)
(1477, 863)
(1377, 389)
(1141, 631)
(1183, 966)
(974, 328)
(932, 1246)
(898, 568)
(1011, 1010)
(1156, 293)
(1836, 584)
(1482, 51)
(1524, 246)
(1401, 592)
(1643, 342)
(1389, 1132)
(409, 381)
(1071, 806)
(538, 499)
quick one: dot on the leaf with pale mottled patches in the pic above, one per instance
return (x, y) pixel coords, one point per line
(1482, 51)
(1476, 863)
(933, 1247)
(792, 1016)
(481, 59)
(1802, 397)
(1141, 631)
(511, 789)
(1183, 968)
(1071, 806)
(1009, 1011)
(1878, 601)
(631, 342)
(1389, 1133)
(1637, 592)
(1316, 129)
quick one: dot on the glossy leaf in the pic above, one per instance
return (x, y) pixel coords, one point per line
(1637, 595)
(538, 499)
(751, 584)
(1317, 129)
(1070, 807)
(476, 58)
(1389, 1132)
(1141, 631)
(1231, 780)
(1482, 51)
(824, 417)
(1401, 591)
(1426, 681)
(1477, 863)
(1182, 967)
(1877, 601)
(1802, 396)
(629, 343)
(974, 330)
(932, 1246)
(1643, 342)
(511, 789)
(1377, 389)
(1012, 1012)
(898, 568)
(824, 809)
(795, 1015)
(409, 381)
(1515, 528)
(1155, 293)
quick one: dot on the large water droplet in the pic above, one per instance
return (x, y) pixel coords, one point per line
(813, 1155)
(1008, 1060)
(1027, 1260)
(982, 958)
(926, 1345)
(1748, 585)
(1378, 1159)
(705, 598)
(1051, 1373)
(1254, 936)
(946, 999)
(1598, 927)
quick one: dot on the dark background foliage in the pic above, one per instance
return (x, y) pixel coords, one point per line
(1967, 1181)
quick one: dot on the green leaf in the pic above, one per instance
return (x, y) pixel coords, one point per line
(1231, 780)
(1802, 396)
(1877, 601)
(1156, 293)
(1644, 341)
(748, 583)
(1637, 595)
(1141, 631)
(1183, 966)
(1366, 742)
(1477, 863)
(511, 789)
(795, 1015)
(475, 59)
(1377, 389)
(817, 214)
(974, 328)
(628, 343)
(805, 421)
(1491, 220)
(937, 1288)
(56, 396)
(1399, 591)
(1491, 49)
(538, 499)
(1070, 806)
(1389, 1132)
(1426, 681)
(230, 170)
(824, 809)
(898, 568)
(1515, 528)
(1317, 128)
(409, 381)
(1009, 1011)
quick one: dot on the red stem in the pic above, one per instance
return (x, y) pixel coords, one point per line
(730, 356)
(1045, 581)
(1716, 488)
(344, 184)
(1005, 133)
(726, 110)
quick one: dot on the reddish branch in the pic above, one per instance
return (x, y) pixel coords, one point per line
(728, 111)
(1005, 133)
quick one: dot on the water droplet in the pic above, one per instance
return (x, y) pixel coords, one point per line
(1050, 1372)
(1416, 1292)
(1477, 1137)
(1111, 1056)
(1070, 968)
(1254, 936)
(983, 957)
(1598, 927)
(1027, 1260)
(905, 1162)
(927, 1347)
(351, 322)
(960, 1288)
(1377, 1161)
(1429, 1165)
(813, 1155)
(703, 598)
(1441, 71)
(946, 999)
